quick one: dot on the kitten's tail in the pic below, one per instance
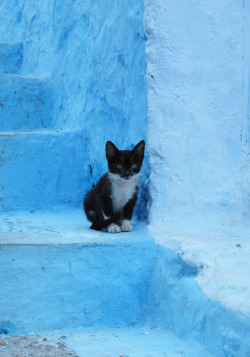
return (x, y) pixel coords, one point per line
(97, 220)
(101, 224)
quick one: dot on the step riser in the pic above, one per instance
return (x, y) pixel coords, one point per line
(11, 57)
(43, 170)
(25, 103)
(114, 284)
(176, 302)
(68, 286)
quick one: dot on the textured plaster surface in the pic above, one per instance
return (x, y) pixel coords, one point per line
(60, 274)
(40, 169)
(11, 55)
(86, 62)
(95, 280)
(198, 137)
(198, 111)
(112, 342)
(130, 342)
(89, 59)
(63, 227)
(25, 103)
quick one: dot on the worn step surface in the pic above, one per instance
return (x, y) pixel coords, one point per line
(11, 57)
(147, 341)
(41, 169)
(25, 103)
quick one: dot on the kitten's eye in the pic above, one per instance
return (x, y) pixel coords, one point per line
(119, 166)
(134, 166)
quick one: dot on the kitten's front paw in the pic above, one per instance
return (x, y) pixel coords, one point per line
(126, 226)
(113, 228)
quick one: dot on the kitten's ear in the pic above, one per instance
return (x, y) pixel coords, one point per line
(139, 149)
(111, 150)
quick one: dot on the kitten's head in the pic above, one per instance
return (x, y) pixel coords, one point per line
(125, 163)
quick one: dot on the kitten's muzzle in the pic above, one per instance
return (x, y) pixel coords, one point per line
(127, 177)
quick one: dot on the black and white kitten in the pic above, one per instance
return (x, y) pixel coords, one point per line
(110, 204)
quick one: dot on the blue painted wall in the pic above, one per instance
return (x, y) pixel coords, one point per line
(89, 57)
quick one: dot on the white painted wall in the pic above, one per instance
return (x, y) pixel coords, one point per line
(197, 74)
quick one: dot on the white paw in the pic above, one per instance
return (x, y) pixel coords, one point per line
(113, 228)
(126, 226)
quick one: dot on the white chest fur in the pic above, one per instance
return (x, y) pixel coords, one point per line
(121, 191)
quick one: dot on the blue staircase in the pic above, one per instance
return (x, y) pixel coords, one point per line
(110, 295)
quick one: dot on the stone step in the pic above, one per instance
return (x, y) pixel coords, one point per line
(56, 273)
(100, 281)
(147, 341)
(11, 57)
(41, 169)
(25, 103)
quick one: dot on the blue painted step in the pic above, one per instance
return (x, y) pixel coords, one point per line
(11, 57)
(128, 342)
(41, 169)
(25, 103)
(56, 273)
(99, 283)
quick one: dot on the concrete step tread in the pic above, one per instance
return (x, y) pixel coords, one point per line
(65, 227)
(148, 341)
(111, 342)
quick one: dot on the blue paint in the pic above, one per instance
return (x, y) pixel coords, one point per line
(37, 167)
(136, 342)
(7, 328)
(26, 103)
(90, 66)
(81, 81)
(93, 284)
(122, 282)
(11, 55)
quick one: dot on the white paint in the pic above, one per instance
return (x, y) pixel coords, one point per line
(126, 226)
(122, 190)
(198, 77)
(197, 110)
(222, 260)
